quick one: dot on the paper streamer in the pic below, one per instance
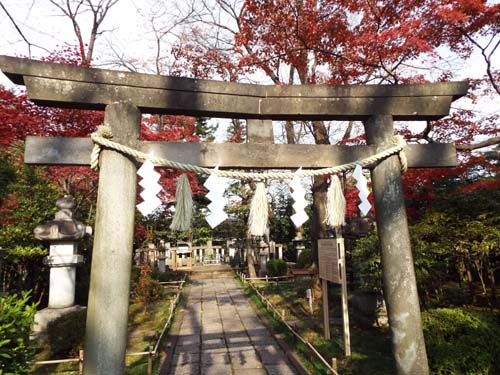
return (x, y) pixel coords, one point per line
(151, 188)
(216, 187)
(298, 195)
(362, 185)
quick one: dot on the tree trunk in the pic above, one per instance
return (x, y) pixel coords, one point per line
(480, 273)
(319, 189)
(250, 260)
(490, 272)
(470, 284)
(478, 266)
(290, 132)
(318, 229)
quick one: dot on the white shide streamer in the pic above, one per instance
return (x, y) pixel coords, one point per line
(149, 182)
(216, 186)
(364, 192)
(299, 197)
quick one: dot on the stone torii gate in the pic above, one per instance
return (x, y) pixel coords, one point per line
(124, 96)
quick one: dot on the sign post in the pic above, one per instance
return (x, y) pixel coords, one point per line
(326, 310)
(331, 259)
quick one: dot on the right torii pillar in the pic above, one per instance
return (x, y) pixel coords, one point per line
(400, 285)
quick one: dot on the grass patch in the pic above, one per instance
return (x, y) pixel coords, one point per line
(371, 348)
(462, 340)
(142, 323)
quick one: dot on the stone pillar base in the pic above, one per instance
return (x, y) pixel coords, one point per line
(47, 315)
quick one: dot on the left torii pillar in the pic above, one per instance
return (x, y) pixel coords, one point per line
(107, 314)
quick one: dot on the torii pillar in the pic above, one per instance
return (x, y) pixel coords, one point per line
(399, 281)
(106, 335)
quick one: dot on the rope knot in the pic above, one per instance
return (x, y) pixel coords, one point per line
(399, 140)
(103, 131)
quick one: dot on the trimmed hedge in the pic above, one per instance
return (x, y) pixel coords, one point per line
(276, 267)
(460, 341)
(66, 334)
(305, 259)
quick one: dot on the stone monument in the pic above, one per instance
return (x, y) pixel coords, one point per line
(263, 257)
(63, 233)
(298, 243)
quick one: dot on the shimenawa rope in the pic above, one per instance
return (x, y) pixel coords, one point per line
(102, 138)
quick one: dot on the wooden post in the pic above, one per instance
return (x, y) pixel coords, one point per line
(80, 362)
(345, 309)
(400, 286)
(309, 297)
(150, 360)
(326, 311)
(107, 312)
(334, 364)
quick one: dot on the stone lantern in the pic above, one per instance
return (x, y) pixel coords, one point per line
(63, 233)
(162, 257)
(298, 243)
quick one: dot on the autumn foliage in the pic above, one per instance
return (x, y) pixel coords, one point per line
(361, 42)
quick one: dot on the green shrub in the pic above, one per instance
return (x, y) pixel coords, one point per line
(276, 267)
(366, 263)
(66, 334)
(167, 276)
(146, 290)
(305, 259)
(134, 276)
(461, 342)
(16, 318)
(23, 269)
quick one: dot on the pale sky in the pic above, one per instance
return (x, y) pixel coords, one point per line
(126, 28)
(42, 24)
(127, 23)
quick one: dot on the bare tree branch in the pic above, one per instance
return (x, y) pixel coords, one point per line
(426, 132)
(72, 9)
(486, 56)
(489, 142)
(18, 29)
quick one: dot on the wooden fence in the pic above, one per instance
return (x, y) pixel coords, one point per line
(153, 350)
(266, 278)
(281, 315)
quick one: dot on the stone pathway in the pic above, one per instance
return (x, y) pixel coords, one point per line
(220, 333)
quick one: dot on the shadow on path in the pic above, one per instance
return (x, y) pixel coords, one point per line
(218, 332)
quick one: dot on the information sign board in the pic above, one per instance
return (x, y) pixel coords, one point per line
(328, 259)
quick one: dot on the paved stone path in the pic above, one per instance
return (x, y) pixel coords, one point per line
(220, 333)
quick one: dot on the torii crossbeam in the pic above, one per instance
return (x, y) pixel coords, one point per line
(124, 96)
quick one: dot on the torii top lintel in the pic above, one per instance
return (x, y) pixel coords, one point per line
(71, 86)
